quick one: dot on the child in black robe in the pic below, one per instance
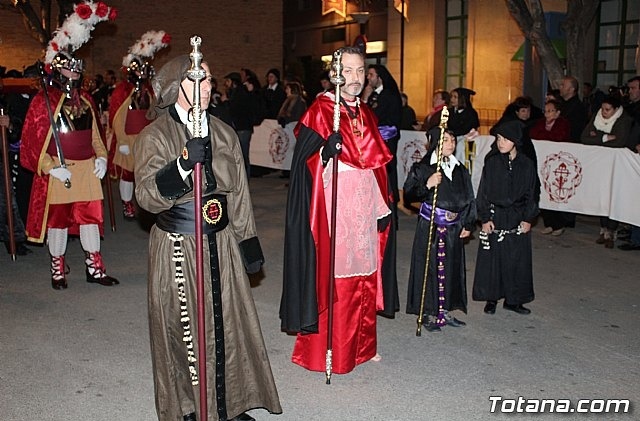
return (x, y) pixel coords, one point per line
(506, 206)
(455, 218)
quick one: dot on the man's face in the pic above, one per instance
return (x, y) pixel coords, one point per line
(634, 91)
(566, 89)
(271, 79)
(205, 90)
(354, 73)
(374, 79)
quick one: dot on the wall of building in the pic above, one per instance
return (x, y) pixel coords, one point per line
(235, 34)
(493, 38)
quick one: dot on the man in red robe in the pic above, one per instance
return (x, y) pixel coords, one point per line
(365, 281)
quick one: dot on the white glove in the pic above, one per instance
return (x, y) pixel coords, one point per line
(61, 174)
(124, 149)
(100, 167)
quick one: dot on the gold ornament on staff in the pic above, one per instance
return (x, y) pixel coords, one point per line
(444, 117)
(337, 79)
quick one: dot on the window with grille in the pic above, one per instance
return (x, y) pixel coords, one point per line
(456, 47)
(618, 39)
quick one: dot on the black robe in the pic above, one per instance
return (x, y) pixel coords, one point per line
(507, 197)
(454, 195)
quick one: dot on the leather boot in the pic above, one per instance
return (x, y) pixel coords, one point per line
(58, 272)
(96, 272)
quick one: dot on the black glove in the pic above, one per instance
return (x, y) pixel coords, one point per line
(193, 152)
(332, 147)
(282, 121)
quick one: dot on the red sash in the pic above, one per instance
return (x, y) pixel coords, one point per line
(136, 121)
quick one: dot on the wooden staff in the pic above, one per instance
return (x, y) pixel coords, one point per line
(8, 190)
(337, 79)
(196, 73)
(444, 117)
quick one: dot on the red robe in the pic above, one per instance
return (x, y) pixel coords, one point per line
(307, 255)
(36, 136)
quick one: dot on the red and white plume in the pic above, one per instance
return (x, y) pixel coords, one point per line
(146, 46)
(77, 27)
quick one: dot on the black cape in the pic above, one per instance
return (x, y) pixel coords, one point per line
(299, 304)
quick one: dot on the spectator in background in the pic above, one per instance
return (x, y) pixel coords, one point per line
(572, 108)
(274, 94)
(408, 119)
(463, 119)
(522, 109)
(242, 108)
(440, 100)
(294, 105)
(383, 96)
(325, 83)
(632, 107)
(556, 128)
(591, 98)
(19, 234)
(609, 127)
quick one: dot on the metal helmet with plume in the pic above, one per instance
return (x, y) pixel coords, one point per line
(74, 32)
(136, 62)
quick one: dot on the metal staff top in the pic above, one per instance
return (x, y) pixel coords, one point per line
(196, 73)
(337, 79)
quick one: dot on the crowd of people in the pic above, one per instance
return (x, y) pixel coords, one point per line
(339, 269)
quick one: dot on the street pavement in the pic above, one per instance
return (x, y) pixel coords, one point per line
(83, 353)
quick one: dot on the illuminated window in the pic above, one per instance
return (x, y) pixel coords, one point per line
(617, 40)
(456, 47)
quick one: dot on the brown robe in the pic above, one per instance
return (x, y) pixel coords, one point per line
(248, 378)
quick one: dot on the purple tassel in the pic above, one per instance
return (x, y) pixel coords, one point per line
(440, 258)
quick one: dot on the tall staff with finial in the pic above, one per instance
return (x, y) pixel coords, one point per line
(196, 73)
(338, 80)
(443, 125)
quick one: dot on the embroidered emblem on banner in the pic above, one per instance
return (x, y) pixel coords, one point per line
(212, 211)
(412, 152)
(561, 176)
(278, 145)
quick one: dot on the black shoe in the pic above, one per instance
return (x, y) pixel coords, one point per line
(518, 308)
(431, 326)
(455, 322)
(490, 307)
(190, 417)
(105, 280)
(243, 417)
(629, 247)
